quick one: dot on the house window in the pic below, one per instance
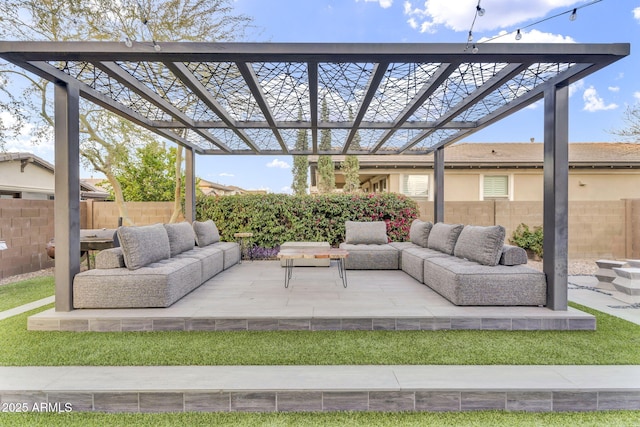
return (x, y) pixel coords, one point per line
(495, 187)
(415, 185)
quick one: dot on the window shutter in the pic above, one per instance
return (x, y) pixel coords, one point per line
(415, 185)
(496, 186)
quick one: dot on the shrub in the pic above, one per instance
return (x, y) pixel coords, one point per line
(529, 239)
(277, 218)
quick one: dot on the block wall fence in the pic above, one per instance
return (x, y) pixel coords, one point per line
(603, 229)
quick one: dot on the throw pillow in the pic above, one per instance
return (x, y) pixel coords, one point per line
(480, 244)
(143, 245)
(419, 232)
(513, 255)
(206, 232)
(443, 237)
(366, 233)
(181, 237)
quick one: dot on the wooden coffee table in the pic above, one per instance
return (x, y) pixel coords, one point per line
(299, 253)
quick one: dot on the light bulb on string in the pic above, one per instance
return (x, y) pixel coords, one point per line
(479, 10)
(518, 35)
(574, 15)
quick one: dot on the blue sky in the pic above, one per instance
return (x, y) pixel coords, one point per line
(597, 103)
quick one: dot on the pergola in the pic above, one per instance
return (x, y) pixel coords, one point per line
(254, 98)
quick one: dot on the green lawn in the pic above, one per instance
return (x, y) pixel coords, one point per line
(19, 293)
(616, 341)
(346, 419)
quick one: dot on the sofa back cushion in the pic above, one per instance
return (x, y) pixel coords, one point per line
(443, 237)
(143, 245)
(181, 237)
(419, 232)
(366, 233)
(206, 232)
(480, 244)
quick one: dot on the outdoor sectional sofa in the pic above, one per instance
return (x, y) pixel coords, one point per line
(154, 266)
(468, 265)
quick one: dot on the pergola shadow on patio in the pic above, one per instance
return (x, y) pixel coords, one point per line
(253, 98)
(251, 296)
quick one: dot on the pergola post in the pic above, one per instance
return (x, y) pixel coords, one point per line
(67, 190)
(190, 186)
(556, 188)
(438, 181)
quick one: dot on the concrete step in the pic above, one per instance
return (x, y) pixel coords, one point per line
(320, 388)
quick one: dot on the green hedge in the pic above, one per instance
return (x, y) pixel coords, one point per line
(277, 218)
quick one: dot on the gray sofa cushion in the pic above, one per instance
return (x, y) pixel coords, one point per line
(143, 245)
(110, 258)
(513, 255)
(412, 261)
(443, 237)
(366, 233)
(158, 284)
(419, 232)
(206, 232)
(480, 244)
(181, 237)
(466, 282)
(370, 257)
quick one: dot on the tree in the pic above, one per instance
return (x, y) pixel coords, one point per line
(326, 170)
(351, 165)
(106, 140)
(300, 168)
(632, 119)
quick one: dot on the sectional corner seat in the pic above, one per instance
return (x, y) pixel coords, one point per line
(154, 266)
(468, 265)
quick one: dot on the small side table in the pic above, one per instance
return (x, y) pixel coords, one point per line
(243, 243)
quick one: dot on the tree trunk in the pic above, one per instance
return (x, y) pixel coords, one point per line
(177, 200)
(120, 203)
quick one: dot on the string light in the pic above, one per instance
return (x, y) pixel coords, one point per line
(518, 35)
(128, 42)
(479, 12)
(573, 14)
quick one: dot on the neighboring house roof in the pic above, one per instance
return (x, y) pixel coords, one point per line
(586, 154)
(209, 187)
(86, 189)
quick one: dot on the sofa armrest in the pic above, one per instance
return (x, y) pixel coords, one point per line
(513, 255)
(110, 258)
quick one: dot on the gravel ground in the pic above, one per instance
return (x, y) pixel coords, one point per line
(577, 267)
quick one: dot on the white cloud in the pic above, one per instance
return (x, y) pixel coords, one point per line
(457, 15)
(636, 13)
(575, 87)
(533, 36)
(286, 190)
(226, 174)
(636, 95)
(593, 102)
(383, 3)
(614, 88)
(276, 163)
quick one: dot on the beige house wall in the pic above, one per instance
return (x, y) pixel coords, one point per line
(105, 214)
(526, 185)
(35, 181)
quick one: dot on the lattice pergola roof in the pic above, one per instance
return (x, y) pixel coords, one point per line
(250, 98)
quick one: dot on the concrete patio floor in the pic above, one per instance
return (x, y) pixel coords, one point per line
(252, 296)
